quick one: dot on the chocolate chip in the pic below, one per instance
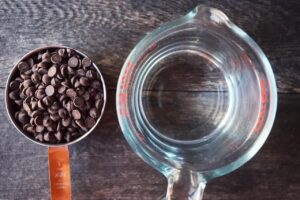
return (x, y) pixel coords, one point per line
(35, 77)
(55, 117)
(36, 113)
(78, 102)
(16, 115)
(13, 95)
(68, 106)
(73, 80)
(86, 96)
(24, 76)
(88, 105)
(63, 113)
(52, 71)
(98, 103)
(56, 58)
(42, 65)
(22, 93)
(80, 91)
(59, 126)
(55, 82)
(40, 93)
(71, 71)
(27, 83)
(80, 72)
(63, 97)
(76, 114)
(64, 70)
(77, 84)
(26, 104)
(58, 136)
(39, 129)
(39, 137)
(70, 52)
(42, 71)
(23, 66)
(47, 121)
(60, 77)
(73, 62)
(19, 102)
(55, 105)
(28, 72)
(52, 111)
(86, 62)
(34, 104)
(30, 62)
(25, 127)
(34, 68)
(68, 137)
(41, 105)
(46, 57)
(98, 96)
(66, 122)
(49, 90)
(46, 79)
(62, 52)
(47, 100)
(23, 117)
(93, 113)
(91, 74)
(89, 122)
(84, 81)
(47, 136)
(38, 121)
(61, 89)
(66, 84)
(14, 85)
(72, 129)
(96, 84)
(29, 91)
(71, 93)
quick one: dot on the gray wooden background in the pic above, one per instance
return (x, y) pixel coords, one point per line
(103, 165)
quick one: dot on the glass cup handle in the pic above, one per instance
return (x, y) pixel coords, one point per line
(59, 173)
(185, 185)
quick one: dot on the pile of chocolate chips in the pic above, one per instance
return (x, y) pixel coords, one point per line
(58, 95)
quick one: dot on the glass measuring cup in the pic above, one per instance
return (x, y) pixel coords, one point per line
(196, 99)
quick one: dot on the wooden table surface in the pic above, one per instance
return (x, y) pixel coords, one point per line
(103, 165)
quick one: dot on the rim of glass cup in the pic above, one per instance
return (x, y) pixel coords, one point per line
(8, 110)
(155, 35)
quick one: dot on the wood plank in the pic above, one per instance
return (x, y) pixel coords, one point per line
(105, 168)
(108, 30)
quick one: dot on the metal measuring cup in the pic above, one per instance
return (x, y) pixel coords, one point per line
(58, 154)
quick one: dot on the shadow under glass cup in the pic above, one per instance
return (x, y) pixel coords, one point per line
(58, 154)
(196, 99)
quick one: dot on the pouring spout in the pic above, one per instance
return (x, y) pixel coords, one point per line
(208, 14)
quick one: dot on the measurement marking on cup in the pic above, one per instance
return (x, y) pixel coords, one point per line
(126, 79)
(264, 101)
(124, 87)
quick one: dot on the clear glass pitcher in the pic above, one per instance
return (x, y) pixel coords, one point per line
(196, 99)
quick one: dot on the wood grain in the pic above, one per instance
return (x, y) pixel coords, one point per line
(103, 165)
(108, 30)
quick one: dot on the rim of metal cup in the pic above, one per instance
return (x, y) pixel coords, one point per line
(11, 117)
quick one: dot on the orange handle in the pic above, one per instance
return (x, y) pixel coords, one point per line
(59, 173)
